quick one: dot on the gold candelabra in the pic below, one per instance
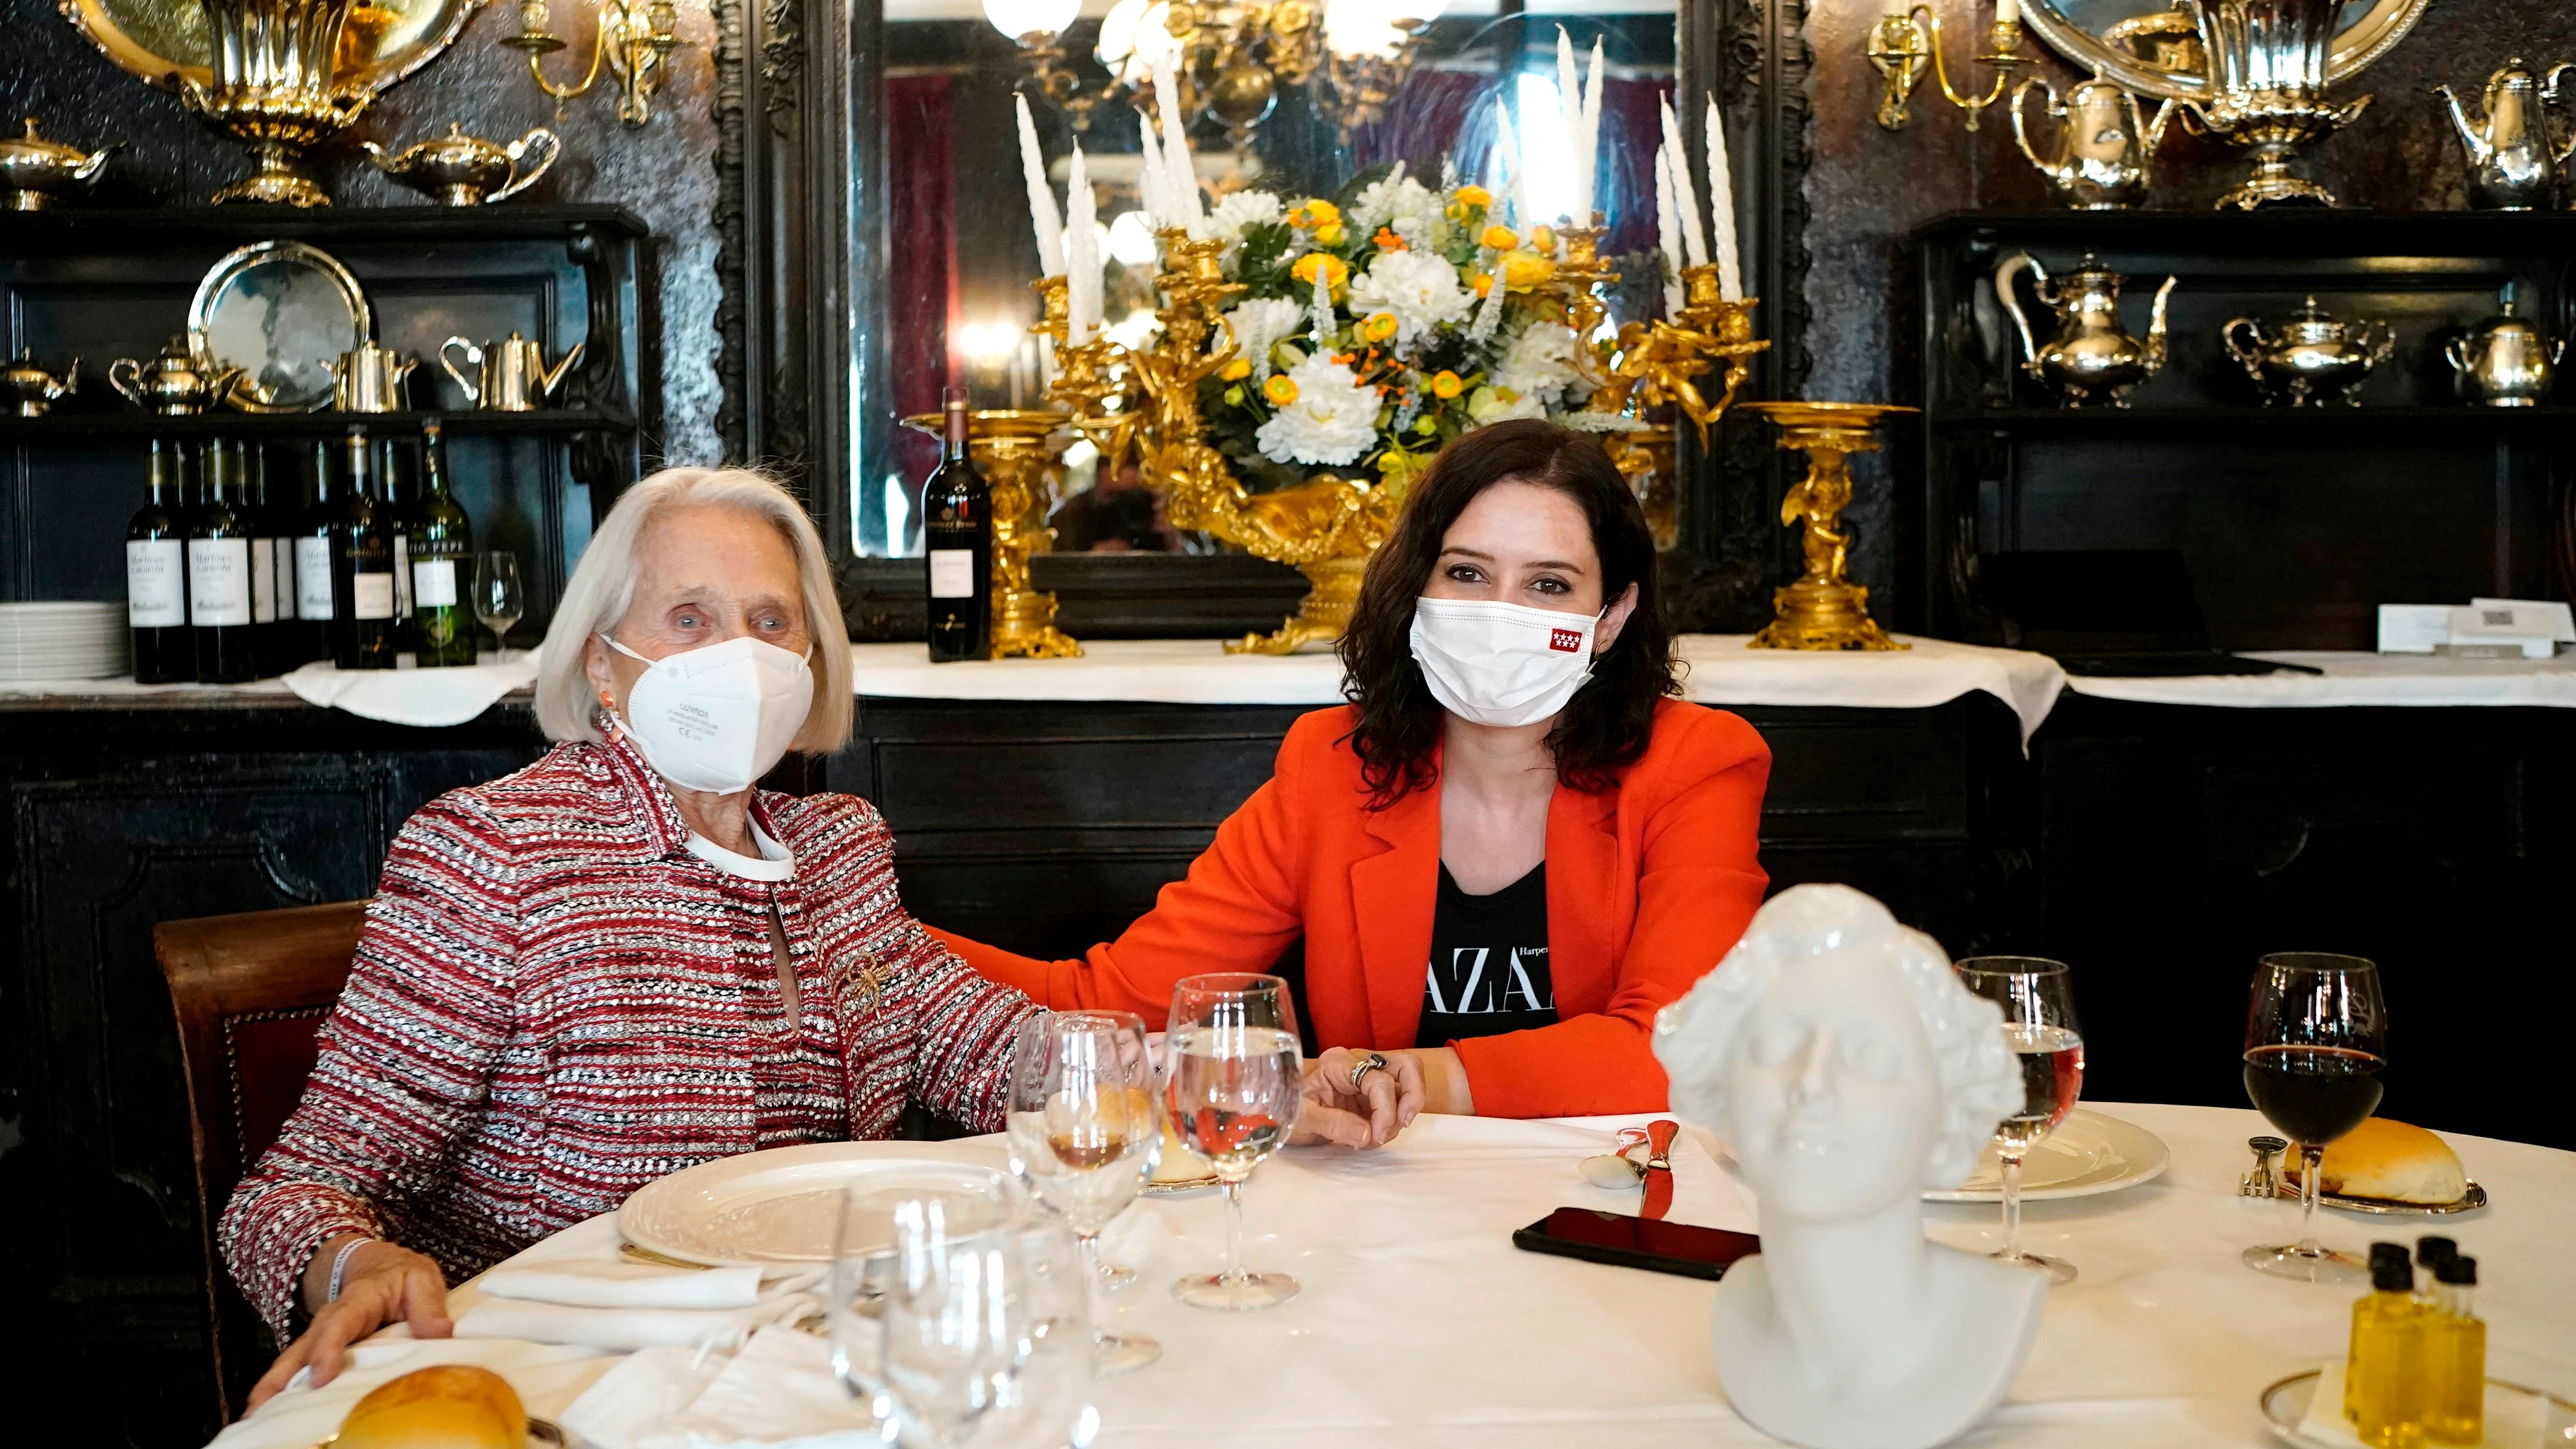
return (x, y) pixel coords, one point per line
(1824, 609)
(1659, 363)
(633, 41)
(1903, 45)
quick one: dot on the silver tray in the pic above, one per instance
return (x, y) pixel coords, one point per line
(2470, 1201)
(542, 1434)
(2285, 1407)
(1182, 1188)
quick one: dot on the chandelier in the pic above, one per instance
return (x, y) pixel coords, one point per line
(1232, 56)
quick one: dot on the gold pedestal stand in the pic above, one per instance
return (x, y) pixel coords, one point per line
(1016, 450)
(1824, 609)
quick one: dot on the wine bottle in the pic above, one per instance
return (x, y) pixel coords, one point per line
(362, 569)
(394, 507)
(250, 505)
(156, 576)
(315, 594)
(957, 533)
(272, 561)
(219, 575)
(441, 547)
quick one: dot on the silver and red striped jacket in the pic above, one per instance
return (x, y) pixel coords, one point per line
(555, 1002)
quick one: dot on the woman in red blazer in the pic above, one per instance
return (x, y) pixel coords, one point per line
(1509, 851)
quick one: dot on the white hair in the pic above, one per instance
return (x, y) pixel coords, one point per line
(603, 584)
(1697, 1036)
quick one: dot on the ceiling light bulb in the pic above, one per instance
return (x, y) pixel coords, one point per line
(1131, 239)
(1019, 19)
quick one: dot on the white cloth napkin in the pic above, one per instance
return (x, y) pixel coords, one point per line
(578, 1283)
(547, 1376)
(629, 1306)
(429, 697)
(780, 1389)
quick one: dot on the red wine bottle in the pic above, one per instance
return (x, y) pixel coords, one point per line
(957, 534)
(156, 576)
(219, 575)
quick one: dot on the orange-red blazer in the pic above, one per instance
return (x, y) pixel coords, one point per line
(1648, 885)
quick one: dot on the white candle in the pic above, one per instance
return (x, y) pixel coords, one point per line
(1082, 260)
(1668, 231)
(1721, 206)
(1897, 9)
(1685, 193)
(1513, 178)
(2007, 12)
(1587, 161)
(1569, 112)
(1176, 154)
(1042, 213)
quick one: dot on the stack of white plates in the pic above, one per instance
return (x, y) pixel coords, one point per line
(62, 641)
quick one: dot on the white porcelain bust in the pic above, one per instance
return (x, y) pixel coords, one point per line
(1838, 1053)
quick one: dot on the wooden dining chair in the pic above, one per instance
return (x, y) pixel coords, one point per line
(250, 992)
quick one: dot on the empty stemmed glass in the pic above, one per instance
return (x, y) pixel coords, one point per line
(2316, 1035)
(1085, 1133)
(1233, 1082)
(499, 601)
(2038, 1000)
(929, 1309)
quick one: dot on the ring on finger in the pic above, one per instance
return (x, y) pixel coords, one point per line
(1368, 1062)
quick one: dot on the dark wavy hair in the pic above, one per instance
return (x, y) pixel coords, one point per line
(1606, 726)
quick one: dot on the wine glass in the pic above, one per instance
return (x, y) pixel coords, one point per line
(1234, 1081)
(1085, 1135)
(2316, 1036)
(928, 1313)
(2038, 1000)
(1049, 1405)
(499, 601)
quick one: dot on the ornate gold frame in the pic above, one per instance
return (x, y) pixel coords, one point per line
(419, 33)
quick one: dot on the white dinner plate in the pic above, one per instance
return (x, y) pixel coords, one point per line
(782, 1205)
(2087, 1154)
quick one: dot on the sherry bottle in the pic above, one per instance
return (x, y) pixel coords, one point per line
(957, 534)
(442, 548)
(362, 569)
(156, 576)
(219, 575)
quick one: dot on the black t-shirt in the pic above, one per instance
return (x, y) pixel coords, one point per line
(1488, 962)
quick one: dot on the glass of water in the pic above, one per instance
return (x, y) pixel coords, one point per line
(2038, 1000)
(1234, 1078)
(1085, 1134)
(930, 1300)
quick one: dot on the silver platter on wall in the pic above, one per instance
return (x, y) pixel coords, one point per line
(281, 311)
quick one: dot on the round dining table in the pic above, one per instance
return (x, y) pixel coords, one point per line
(1420, 1323)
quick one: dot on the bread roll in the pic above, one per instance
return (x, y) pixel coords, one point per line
(1178, 1164)
(2393, 1162)
(448, 1407)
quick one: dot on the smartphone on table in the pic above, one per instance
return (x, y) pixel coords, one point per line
(1626, 1241)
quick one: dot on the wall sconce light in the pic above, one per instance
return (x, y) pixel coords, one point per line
(1907, 39)
(633, 42)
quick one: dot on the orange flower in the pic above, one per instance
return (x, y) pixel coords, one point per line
(1500, 238)
(1378, 326)
(1543, 238)
(1388, 241)
(1446, 384)
(1279, 390)
(1483, 282)
(1235, 371)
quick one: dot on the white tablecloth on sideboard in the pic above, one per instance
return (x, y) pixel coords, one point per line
(1421, 1325)
(2353, 678)
(1721, 671)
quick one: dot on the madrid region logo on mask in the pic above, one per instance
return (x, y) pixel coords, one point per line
(1565, 641)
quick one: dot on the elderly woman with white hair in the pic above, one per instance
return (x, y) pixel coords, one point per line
(623, 959)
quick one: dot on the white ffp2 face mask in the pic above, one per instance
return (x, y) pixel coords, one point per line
(1501, 664)
(718, 718)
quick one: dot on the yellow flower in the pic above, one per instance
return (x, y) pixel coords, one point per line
(1335, 271)
(1377, 326)
(1446, 384)
(1543, 238)
(1473, 196)
(1315, 213)
(1330, 234)
(1279, 390)
(1500, 238)
(1524, 270)
(1235, 371)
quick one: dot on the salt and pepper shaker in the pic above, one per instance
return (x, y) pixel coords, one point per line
(2265, 1179)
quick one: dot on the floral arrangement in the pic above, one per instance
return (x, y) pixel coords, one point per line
(1378, 325)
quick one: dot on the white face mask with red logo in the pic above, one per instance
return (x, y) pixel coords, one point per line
(1501, 664)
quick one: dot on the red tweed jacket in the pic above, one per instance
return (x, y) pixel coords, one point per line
(554, 1003)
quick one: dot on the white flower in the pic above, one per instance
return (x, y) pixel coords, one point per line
(1237, 210)
(1397, 196)
(1421, 289)
(1539, 365)
(1332, 422)
(1259, 323)
(1496, 401)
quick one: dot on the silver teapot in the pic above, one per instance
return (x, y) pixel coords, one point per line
(511, 375)
(2309, 356)
(461, 170)
(176, 382)
(369, 379)
(2092, 356)
(33, 168)
(2513, 163)
(29, 390)
(2505, 362)
(2105, 145)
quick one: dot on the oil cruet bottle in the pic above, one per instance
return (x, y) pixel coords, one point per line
(2455, 1356)
(2384, 1372)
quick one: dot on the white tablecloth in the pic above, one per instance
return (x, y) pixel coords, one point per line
(1420, 1324)
(2356, 678)
(1721, 670)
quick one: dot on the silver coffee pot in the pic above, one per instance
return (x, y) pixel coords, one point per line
(461, 170)
(2105, 145)
(2513, 162)
(2309, 356)
(369, 379)
(177, 382)
(29, 390)
(2092, 356)
(2505, 362)
(511, 375)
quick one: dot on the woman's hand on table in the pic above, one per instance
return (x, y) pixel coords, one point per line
(1367, 1116)
(380, 1284)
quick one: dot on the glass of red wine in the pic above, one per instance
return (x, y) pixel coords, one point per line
(2316, 1036)
(2038, 1000)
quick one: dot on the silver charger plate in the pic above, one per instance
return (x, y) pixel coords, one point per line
(2285, 1408)
(281, 311)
